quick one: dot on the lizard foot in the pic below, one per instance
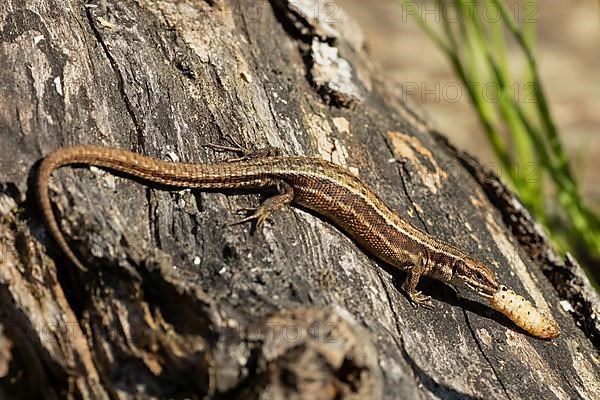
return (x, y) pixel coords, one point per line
(419, 299)
(270, 205)
(246, 154)
(261, 214)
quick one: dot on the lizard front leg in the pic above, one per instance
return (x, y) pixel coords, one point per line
(416, 269)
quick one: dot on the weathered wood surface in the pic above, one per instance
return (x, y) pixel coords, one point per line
(177, 304)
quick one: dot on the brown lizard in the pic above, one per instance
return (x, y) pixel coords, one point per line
(326, 189)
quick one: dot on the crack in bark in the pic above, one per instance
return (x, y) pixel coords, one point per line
(391, 303)
(402, 171)
(408, 196)
(262, 82)
(154, 231)
(438, 389)
(120, 81)
(480, 348)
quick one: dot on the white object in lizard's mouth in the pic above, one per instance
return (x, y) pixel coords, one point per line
(524, 314)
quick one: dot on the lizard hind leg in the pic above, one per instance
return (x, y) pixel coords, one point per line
(270, 205)
(246, 153)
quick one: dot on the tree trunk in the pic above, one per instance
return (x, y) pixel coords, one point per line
(176, 303)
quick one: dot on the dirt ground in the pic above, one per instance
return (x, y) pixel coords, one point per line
(568, 53)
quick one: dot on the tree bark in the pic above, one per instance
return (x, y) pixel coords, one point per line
(177, 304)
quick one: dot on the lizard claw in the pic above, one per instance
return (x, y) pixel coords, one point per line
(235, 149)
(260, 215)
(269, 206)
(246, 153)
(419, 299)
(243, 210)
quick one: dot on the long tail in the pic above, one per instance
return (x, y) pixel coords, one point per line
(207, 176)
(48, 165)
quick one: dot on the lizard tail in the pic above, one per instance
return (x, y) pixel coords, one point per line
(48, 165)
(206, 176)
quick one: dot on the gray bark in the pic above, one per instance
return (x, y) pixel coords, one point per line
(177, 304)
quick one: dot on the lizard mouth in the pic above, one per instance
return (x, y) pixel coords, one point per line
(480, 289)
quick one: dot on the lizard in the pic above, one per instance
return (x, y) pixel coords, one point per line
(324, 188)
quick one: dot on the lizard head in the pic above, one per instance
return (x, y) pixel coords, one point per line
(476, 276)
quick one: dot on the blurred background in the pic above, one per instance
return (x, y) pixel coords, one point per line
(565, 41)
(568, 54)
